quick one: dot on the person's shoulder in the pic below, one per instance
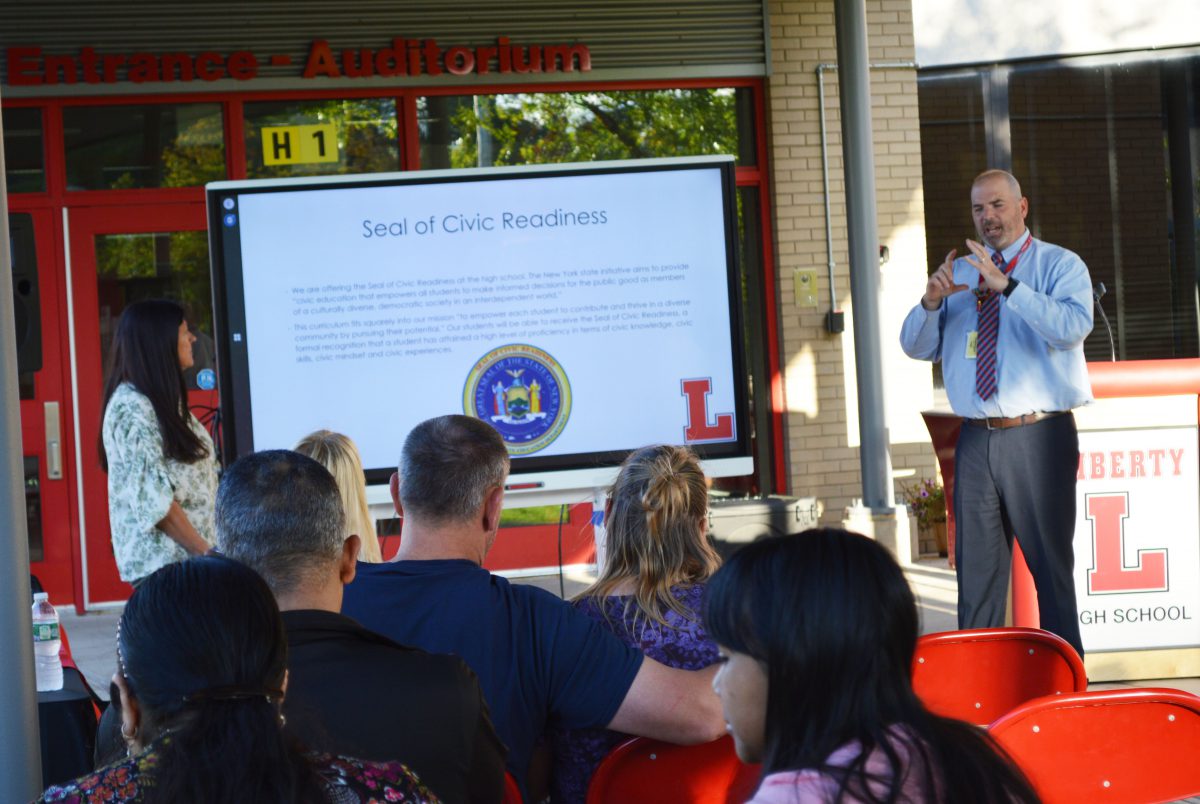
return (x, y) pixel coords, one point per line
(546, 616)
(592, 606)
(398, 577)
(1058, 256)
(794, 787)
(373, 781)
(316, 626)
(543, 606)
(690, 595)
(126, 399)
(433, 668)
(128, 393)
(119, 781)
(524, 591)
(404, 598)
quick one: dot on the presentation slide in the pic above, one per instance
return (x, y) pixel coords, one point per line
(579, 314)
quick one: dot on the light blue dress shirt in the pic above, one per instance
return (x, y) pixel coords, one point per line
(1040, 365)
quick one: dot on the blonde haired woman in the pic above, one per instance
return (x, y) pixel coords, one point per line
(651, 587)
(337, 453)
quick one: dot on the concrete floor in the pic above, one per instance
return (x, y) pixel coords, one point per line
(93, 635)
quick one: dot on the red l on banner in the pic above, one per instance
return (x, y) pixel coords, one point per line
(1109, 574)
(699, 429)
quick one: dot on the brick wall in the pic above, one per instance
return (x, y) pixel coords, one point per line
(821, 422)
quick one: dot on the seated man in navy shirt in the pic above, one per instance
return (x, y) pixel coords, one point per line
(539, 661)
(351, 691)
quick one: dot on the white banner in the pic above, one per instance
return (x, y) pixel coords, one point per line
(1137, 538)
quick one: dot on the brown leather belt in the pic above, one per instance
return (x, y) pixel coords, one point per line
(1003, 422)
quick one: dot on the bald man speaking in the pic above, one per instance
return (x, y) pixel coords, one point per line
(1007, 320)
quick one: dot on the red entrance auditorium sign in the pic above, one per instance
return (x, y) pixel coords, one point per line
(29, 66)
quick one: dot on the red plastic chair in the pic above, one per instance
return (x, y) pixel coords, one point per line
(644, 771)
(1132, 745)
(512, 793)
(68, 661)
(978, 675)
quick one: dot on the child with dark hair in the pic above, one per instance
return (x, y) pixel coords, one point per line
(201, 670)
(817, 634)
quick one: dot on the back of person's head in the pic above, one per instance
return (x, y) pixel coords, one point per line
(448, 465)
(145, 345)
(145, 353)
(831, 618)
(338, 454)
(280, 513)
(655, 530)
(203, 651)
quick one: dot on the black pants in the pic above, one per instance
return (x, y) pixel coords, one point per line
(1020, 480)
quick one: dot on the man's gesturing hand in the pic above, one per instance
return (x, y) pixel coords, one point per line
(993, 277)
(941, 284)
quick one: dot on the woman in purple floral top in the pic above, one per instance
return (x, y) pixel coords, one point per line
(650, 590)
(201, 671)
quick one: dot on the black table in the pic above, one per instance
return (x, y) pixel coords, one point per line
(67, 720)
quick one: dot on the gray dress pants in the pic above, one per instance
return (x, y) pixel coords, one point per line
(1017, 481)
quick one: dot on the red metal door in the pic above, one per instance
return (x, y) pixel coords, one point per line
(45, 404)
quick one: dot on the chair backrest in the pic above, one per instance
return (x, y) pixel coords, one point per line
(644, 771)
(68, 662)
(512, 793)
(64, 647)
(980, 674)
(1115, 746)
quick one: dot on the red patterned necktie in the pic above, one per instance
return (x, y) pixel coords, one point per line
(989, 328)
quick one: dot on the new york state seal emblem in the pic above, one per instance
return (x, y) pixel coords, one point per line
(523, 392)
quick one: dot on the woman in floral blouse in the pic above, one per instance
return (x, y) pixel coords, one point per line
(162, 470)
(201, 669)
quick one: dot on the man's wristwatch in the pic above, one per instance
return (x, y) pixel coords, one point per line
(1012, 285)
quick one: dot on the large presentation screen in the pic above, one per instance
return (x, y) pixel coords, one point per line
(582, 310)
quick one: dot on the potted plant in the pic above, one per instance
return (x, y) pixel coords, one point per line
(927, 502)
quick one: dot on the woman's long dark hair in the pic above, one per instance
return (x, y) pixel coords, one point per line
(831, 617)
(145, 353)
(204, 652)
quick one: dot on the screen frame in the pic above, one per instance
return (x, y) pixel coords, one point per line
(531, 472)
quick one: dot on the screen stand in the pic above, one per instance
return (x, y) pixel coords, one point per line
(599, 498)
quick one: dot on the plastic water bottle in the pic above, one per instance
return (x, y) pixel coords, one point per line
(46, 644)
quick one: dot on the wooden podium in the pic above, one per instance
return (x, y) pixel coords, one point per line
(1137, 538)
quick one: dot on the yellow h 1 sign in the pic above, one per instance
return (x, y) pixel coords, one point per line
(299, 145)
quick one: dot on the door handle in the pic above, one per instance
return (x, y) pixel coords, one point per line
(53, 442)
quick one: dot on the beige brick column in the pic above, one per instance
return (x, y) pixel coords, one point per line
(821, 436)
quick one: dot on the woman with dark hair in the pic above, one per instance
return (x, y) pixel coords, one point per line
(649, 592)
(162, 471)
(202, 668)
(817, 634)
